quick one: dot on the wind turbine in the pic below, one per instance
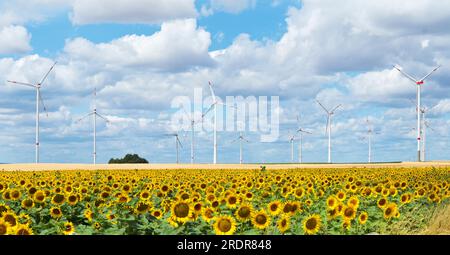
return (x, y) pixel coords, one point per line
(213, 105)
(328, 127)
(241, 138)
(301, 132)
(39, 99)
(418, 83)
(370, 133)
(177, 144)
(95, 114)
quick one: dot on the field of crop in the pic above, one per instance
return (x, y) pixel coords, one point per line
(226, 201)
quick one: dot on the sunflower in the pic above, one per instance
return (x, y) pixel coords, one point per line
(299, 192)
(24, 230)
(341, 195)
(224, 225)
(27, 203)
(198, 208)
(88, 214)
(346, 225)
(333, 213)
(207, 214)
(349, 213)
(260, 220)
(15, 194)
(363, 218)
(142, 207)
(123, 198)
(58, 199)
(382, 202)
(5, 227)
(72, 199)
(353, 202)
(232, 201)
(390, 211)
(331, 202)
(244, 212)
(296, 207)
(157, 214)
(274, 207)
(6, 195)
(55, 212)
(11, 218)
(283, 224)
(311, 224)
(145, 195)
(97, 225)
(68, 228)
(39, 196)
(181, 211)
(287, 208)
(3, 208)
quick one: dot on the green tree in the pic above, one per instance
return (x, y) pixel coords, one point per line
(128, 159)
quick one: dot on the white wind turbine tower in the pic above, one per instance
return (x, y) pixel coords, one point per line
(418, 83)
(370, 133)
(328, 127)
(95, 114)
(241, 139)
(301, 132)
(213, 105)
(37, 86)
(192, 121)
(291, 141)
(177, 144)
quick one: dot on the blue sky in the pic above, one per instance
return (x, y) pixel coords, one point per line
(141, 54)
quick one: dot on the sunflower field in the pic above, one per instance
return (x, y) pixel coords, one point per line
(227, 201)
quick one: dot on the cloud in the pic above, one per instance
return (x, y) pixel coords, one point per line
(179, 45)
(131, 11)
(14, 39)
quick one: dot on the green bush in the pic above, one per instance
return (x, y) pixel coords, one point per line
(128, 159)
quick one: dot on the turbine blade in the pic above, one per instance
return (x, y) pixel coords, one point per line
(42, 103)
(335, 108)
(22, 83)
(325, 109)
(209, 109)
(84, 117)
(406, 75)
(434, 70)
(326, 128)
(105, 119)
(179, 142)
(212, 92)
(46, 75)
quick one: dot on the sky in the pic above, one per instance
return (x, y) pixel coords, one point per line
(140, 55)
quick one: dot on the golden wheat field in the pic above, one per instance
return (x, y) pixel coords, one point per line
(223, 201)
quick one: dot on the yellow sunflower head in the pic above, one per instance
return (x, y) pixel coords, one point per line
(274, 207)
(224, 225)
(312, 224)
(260, 219)
(283, 224)
(363, 217)
(68, 228)
(23, 229)
(182, 211)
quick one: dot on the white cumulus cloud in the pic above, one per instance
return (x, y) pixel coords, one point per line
(131, 11)
(14, 39)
